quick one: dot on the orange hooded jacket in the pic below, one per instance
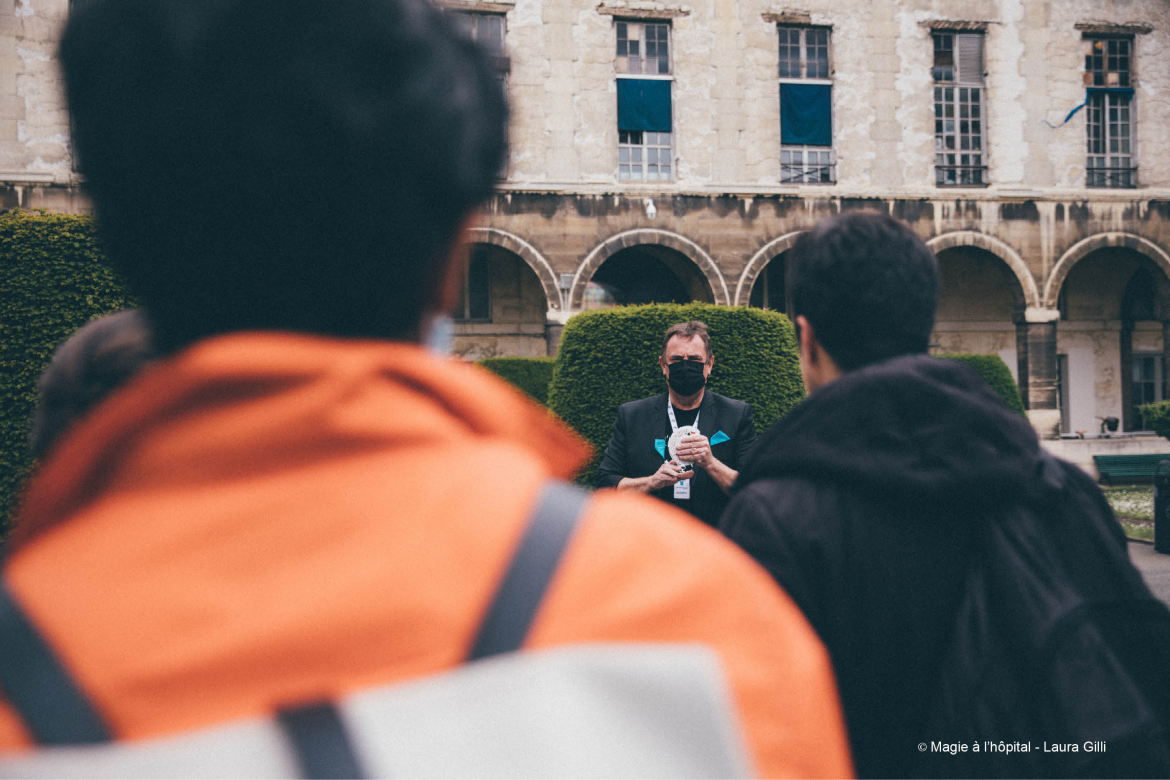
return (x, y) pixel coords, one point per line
(271, 518)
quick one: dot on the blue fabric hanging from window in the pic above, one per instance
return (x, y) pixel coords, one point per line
(806, 114)
(644, 104)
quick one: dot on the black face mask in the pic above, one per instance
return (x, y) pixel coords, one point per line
(686, 377)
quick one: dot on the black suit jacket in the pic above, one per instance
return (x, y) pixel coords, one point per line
(631, 451)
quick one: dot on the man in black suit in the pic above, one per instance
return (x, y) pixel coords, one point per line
(693, 470)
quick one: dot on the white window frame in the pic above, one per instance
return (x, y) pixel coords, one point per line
(817, 171)
(1111, 151)
(622, 61)
(959, 100)
(650, 142)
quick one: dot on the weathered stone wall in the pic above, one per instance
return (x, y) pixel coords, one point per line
(34, 127)
(726, 98)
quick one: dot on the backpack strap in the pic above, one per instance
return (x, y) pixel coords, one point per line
(35, 682)
(506, 623)
(321, 741)
(57, 712)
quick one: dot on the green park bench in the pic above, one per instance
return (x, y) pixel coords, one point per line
(1128, 468)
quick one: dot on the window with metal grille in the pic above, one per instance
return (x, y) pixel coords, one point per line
(959, 144)
(806, 112)
(644, 85)
(1109, 113)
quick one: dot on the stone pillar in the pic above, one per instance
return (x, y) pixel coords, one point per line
(554, 326)
(552, 335)
(1022, 359)
(1042, 401)
(1166, 361)
(1128, 423)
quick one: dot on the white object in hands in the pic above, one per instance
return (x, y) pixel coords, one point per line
(676, 438)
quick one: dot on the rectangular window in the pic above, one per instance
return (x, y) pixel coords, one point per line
(475, 301)
(1109, 113)
(959, 144)
(488, 31)
(645, 121)
(806, 106)
(643, 47)
(1147, 383)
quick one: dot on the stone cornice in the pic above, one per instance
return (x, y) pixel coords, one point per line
(478, 6)
(639, 9)
(1108, 28)
(787, 16)
(954, 25)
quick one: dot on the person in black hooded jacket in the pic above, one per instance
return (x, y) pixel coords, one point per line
(866, 501)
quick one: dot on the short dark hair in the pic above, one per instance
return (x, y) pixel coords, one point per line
(867, 284)
(688, 330)
(281, 164)
(87, 367)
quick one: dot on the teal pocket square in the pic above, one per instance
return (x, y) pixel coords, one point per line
(660, 445)
(720, 437)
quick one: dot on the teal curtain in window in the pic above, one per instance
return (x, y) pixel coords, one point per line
(806, 114)
(644, 104)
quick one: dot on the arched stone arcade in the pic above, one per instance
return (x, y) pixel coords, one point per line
(527, 253)
(706, 267)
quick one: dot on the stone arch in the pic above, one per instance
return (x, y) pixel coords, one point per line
(759, 261)
(1014, 262)
(1085, 246)
(527, 253)
(631, 238)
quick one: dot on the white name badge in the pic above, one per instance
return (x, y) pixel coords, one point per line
(682, 489)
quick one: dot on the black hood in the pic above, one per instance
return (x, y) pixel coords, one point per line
(916, 427)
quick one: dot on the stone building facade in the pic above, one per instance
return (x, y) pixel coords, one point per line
(674, 151)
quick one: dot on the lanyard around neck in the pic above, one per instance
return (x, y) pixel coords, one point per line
(673, 420)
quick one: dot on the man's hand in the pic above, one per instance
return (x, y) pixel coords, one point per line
(668, 474)
(696, 449)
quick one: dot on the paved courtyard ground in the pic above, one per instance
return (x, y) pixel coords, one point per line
(1154, 566)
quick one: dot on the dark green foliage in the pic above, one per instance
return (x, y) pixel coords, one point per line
(1157, 416)
(530, 374)
(53, 280)
(610, 356)
(998, 375)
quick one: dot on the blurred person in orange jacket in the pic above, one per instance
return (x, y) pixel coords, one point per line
(299, 502)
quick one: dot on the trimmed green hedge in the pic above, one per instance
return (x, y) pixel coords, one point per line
(1157, 416)
(53, 280)
(998, 375)
(610, 356)
(530, 374)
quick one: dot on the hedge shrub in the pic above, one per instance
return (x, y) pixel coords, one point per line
(53, 280)
(530, 374)
(998, 375)
(610, 356)
(1157, 416)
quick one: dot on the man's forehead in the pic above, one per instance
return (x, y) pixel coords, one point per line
(682, 345)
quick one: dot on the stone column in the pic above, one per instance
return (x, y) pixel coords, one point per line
(554, 326)
(1042, 401)
(1128, 423)
(552, 335)
(1166, 361)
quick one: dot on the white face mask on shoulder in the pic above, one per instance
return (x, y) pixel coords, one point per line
(438, 335)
